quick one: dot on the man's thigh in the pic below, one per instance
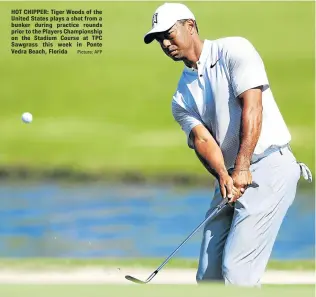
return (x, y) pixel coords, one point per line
(257, 219)
(213, 242)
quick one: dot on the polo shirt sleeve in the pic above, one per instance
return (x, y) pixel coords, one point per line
(186, 120)
(245, 66)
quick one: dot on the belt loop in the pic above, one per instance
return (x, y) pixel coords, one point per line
(280, 150)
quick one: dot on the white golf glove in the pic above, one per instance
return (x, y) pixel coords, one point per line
(305, 172)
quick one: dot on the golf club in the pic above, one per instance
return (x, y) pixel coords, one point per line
(212, 215)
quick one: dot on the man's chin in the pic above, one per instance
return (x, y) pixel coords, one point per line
(176, 58)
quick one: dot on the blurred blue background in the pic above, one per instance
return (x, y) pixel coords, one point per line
(98, 220)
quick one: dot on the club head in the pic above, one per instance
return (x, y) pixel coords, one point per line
(134, 280)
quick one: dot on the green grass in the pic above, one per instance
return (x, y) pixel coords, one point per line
(55, 263)
(112, 112)
(153, 291)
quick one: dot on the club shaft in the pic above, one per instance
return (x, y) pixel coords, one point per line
(211, 215)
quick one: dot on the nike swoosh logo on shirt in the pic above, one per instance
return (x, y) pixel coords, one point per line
(212, 65)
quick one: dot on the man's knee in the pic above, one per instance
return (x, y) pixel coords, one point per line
(240, 274)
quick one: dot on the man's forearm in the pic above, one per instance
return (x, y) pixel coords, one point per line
(251, 121)
(211, 157)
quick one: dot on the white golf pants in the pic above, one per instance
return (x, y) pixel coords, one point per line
(237, 244)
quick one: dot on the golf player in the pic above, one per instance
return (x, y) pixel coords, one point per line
(225, 106)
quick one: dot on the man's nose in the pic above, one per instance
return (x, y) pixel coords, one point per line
(166, 43)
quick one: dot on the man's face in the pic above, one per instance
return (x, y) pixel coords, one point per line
(176, 41)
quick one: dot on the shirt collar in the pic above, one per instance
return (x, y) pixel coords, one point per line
(203, 58)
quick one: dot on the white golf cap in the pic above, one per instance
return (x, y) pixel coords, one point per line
(165, 17)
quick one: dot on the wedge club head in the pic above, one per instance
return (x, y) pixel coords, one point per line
(138, 281)
(135, 280)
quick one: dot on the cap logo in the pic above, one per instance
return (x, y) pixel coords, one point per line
(155, 19)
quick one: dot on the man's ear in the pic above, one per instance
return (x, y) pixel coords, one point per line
(191, 26)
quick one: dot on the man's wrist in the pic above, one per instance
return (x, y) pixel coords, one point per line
(241, 168)
(222, 172)
(242, 165)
